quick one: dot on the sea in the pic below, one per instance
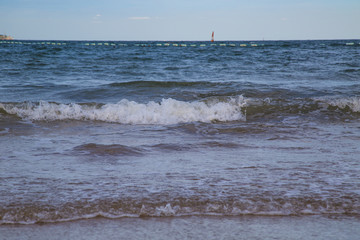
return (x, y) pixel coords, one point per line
(179, 139)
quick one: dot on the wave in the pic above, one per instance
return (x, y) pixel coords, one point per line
(112, 208)
(348, 104)
(168, 111)
(320, 107)
(171, 111)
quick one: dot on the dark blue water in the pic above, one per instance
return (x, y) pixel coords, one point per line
(135, 129)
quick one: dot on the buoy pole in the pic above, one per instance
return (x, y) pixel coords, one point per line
(212, 37)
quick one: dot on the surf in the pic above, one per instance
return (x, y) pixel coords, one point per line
(167, 111)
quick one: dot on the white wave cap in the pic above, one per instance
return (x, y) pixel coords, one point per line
(168, 111)
(353, 103)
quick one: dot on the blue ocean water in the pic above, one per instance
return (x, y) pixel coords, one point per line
(133, 129)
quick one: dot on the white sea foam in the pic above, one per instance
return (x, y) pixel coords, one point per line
(168, 111)
(353, 103)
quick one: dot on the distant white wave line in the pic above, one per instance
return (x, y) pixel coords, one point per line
(168, 111)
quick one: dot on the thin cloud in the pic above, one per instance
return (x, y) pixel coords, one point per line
(96, 18)
(139, 18)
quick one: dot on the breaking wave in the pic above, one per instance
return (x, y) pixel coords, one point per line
(168, 111)
(350, 104)
(171, 111)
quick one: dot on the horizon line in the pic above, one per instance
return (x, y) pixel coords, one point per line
(103, 40)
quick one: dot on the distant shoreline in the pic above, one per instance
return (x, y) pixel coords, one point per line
(5, 37)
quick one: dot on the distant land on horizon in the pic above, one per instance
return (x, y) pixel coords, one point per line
(5, 37)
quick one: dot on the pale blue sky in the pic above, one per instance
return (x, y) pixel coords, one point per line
(180, 20)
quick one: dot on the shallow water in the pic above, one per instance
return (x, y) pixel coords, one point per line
(141, 130)
(306, 227)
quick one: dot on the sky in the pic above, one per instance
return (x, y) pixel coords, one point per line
(180, 20)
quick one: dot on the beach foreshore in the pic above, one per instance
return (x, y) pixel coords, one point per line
(195, 227)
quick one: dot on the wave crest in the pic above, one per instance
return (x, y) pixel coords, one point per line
(168, 111)
(352, 103)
